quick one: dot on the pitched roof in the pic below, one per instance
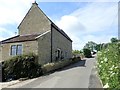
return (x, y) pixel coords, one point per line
(20, 38)
(33, 4)
(52, 23)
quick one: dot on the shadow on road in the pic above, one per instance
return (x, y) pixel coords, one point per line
(81, 63)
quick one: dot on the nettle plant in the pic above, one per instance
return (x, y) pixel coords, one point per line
(109, 65)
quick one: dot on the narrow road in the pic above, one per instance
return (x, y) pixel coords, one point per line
(73, 76)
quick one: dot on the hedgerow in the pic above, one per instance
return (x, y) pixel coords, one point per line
(87, 53)
(109, 65)
(22, 66)
(26, 66)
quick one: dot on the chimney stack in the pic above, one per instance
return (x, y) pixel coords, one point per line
(35, 3)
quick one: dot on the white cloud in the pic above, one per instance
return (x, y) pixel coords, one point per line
(6, 31)
(12, 12)
(97, 16)
(79, 42)
(70, 23)
(93, 18)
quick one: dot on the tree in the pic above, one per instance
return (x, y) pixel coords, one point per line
(98, 47)
(113, 40)
(90, 45)
(87, 53)
(101, 46)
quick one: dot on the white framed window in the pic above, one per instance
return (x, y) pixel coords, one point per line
(16, 50)
(13, 50)
(19, 49)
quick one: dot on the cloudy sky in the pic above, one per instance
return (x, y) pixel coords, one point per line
(82, 21)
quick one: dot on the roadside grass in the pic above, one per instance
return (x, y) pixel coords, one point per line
(109, 66)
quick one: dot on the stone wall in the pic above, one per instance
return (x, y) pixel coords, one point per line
(44, 48)
(34, 22)
(0, 52)
(62, 43)
(28, 47)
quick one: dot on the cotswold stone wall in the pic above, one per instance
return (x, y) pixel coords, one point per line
(35, 22)
(28, 47)
(62, 43)
(0, 52)
(44, 48)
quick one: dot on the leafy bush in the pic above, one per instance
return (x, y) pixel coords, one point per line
(87, 53)
(57, 65)
(77, 53)
(21, 67)
(109, 65)
(26, 66)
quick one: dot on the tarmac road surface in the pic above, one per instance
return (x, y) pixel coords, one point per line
(78, 75)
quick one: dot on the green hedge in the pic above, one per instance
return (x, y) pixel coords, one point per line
(87, 53)
(109, 65)
(26, 66)
(21, 67)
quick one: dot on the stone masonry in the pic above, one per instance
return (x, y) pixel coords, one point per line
(39, 35)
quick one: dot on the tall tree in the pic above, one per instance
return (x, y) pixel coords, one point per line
(91, 45)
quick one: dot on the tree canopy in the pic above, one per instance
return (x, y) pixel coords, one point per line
(113, 40)
(91, 45)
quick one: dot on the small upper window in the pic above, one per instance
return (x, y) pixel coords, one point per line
(16, 50)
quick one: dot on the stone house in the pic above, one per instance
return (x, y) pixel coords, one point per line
(39, 35)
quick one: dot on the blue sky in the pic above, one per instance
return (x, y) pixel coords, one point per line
(58, 9)
(82, 21)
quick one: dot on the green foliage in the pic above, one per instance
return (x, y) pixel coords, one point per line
(90, 45)
(113, 40)
(21, 67)
(109, 65)
(76, 52)
(87, 53)
(60, 64)
(98, 47)
(94, 46)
